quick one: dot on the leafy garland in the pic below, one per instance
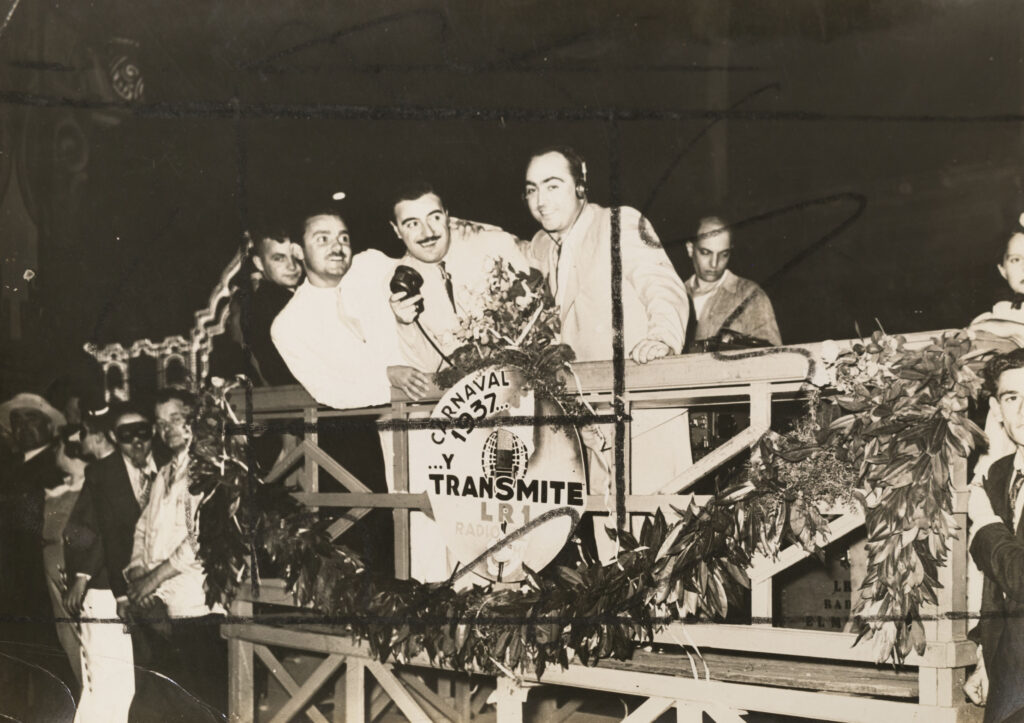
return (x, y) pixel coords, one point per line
(515, 322)
(905, 421)
(887, 436)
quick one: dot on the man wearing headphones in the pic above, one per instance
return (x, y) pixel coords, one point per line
(573, 250)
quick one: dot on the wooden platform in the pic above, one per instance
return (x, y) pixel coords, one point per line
(868, 690)
(793, 673)
(846, 678)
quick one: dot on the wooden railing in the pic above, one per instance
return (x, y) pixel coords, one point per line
(759, 381)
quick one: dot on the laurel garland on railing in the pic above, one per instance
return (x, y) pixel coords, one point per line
(586, 612)
(906, 421)
(886, 431)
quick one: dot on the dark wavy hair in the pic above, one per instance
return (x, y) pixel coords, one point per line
(577, 165)
(298, 226)
(261, 233)
(410, 192)
(187, 399)
(997, 365)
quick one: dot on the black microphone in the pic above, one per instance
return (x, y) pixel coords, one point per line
(407, 279)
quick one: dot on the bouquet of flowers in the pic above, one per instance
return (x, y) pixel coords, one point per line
(513, 321)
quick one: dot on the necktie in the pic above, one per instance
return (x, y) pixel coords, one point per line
(554, 261)
(1015, 487)
(691, 324)
(448, 285)
(172, 471)
(1017, 301)
(146, 478)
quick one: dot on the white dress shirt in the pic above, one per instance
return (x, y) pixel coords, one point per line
(140, 478)
(338, 342)
(168, 529)
(701, 300)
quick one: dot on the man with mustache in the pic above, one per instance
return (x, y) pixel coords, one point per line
(454, 257)
(337, 336)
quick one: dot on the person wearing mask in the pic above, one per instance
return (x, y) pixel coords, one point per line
(98, 546)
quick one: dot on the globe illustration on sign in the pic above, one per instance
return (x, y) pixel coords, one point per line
(504, 455)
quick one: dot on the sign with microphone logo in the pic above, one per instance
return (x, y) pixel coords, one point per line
(503, 472)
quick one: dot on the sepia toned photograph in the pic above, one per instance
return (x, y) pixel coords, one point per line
(511, 361)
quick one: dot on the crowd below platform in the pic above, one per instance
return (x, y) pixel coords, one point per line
(97, 523)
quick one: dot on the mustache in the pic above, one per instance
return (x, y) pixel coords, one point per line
(429, 239)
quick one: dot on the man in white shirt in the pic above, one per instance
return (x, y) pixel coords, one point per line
(337, 336)
(454, 257)
(165, 571)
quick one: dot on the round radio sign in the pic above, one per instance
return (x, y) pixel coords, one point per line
(506, 487)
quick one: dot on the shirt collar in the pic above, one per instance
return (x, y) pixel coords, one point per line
(1018, 460)
(150, 464)
(307, 288)
(692, 282)
(577, 230)
(409, 260)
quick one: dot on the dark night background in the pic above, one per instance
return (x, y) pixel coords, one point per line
(874, 151)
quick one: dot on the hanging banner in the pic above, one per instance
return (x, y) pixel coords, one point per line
(504, 494)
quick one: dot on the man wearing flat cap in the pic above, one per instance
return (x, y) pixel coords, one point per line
(24, 600)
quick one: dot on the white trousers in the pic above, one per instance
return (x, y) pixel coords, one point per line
(108, 670)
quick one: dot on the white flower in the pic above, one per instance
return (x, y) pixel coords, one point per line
(28, 275)
(829, 351)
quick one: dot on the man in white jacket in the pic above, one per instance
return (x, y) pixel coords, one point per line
(165, 573)
(573, 249)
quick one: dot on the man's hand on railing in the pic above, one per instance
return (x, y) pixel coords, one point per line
(976, 686)
(413, 382)
(649, 350)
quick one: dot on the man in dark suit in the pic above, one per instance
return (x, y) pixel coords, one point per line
(997, 546)
(256, 304)
(98, 546)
